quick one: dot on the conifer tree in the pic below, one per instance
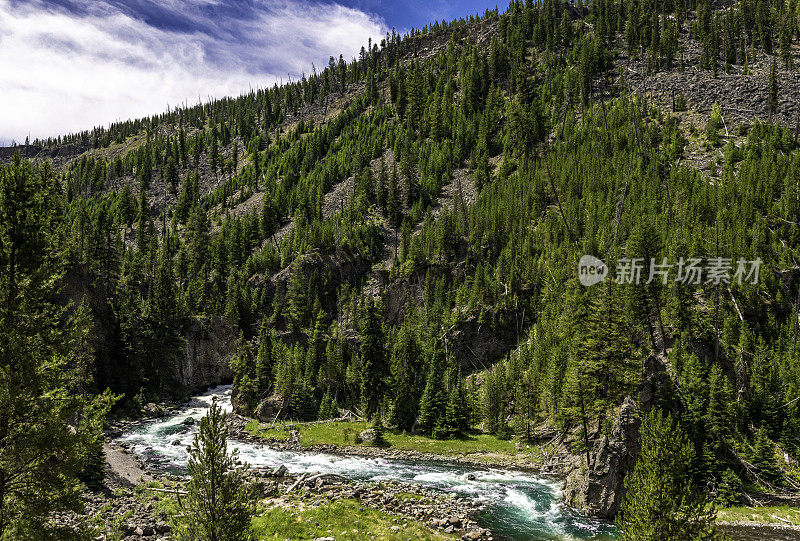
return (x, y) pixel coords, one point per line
(49, 424)
(159, 331)
(406, 378)
(713, 125)
(297, 293)
(144, 228)
(434, 397)
(493, 401)
(374, 368)
(220, 501)
(379, 430)
(764, 457)
(773, 90)
(662, 503)
(328, 408)
(456, 416)
(232, 300)
(264, 362)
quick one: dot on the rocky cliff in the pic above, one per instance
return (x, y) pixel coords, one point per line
(599, 490)
(210, 343)
(204, 362)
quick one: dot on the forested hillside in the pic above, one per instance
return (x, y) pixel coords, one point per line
(399, 235)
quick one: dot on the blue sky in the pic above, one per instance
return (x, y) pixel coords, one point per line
(417, 13)
(69, 65)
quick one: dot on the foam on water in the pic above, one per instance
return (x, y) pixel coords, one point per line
(518, 506)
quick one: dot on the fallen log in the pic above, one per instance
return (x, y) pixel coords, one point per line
(300, 480)
(168, 490)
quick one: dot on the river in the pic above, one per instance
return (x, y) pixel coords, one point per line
(518, 506)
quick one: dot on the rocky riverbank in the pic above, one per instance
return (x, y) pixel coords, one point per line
(125, 506)
(129, 505)
(450, 514)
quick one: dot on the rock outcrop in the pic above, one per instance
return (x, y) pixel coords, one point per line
(599, 489)
(210, 344)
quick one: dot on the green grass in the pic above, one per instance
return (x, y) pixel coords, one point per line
(279, 432)
(763, 515)
(346, 433)
(343, 519)
(165, 502)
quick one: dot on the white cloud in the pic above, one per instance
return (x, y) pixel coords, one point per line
(65, 70)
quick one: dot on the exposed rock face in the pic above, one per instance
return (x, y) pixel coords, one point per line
(475, 341)
(267, 410)
(210, 343)
(599, 493)
(600, 490)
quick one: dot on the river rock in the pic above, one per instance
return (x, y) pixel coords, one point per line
(267, 410)
(265, 488)
(144, 531)
(367, 436)
(153, 410)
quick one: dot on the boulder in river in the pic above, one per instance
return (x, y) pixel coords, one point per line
(154, 410)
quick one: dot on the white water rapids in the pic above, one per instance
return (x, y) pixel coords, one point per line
(518, 506)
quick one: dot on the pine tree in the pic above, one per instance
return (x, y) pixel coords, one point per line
(161, 340)
(764, 457)
(719, 417)
(374, 368)
(773, 90)
(379, 431)
(493, 401)
(729, 492)
(603, 370)
(456, 416)
(49, 425)
(144, 227)
(220, 501)
(406, 378)
(662, 503)
(264, 362)
(269, 218)
(297, 293)
(393, 205)
(172, 174)
(244, 395)
(328, 408)
(713, 125)
(434, 397)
